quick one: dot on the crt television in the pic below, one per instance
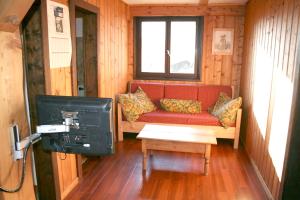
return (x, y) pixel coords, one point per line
(92, 129)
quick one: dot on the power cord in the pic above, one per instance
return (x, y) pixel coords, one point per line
(23, 174)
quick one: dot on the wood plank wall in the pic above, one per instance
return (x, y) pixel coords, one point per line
(12, 108)
(112, 74)
(11, 14)
(113, 47)
(216, 69)
(64, 167)
(268, 75)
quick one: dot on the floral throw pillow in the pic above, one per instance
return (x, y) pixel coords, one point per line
(135, 104)
(181, 106)
(130, 107)
(144, 101)
(222, 100)
(227, 113)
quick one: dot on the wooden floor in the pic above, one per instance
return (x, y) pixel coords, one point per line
(169, 176)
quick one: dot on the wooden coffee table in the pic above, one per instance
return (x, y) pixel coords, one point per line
(180, 138)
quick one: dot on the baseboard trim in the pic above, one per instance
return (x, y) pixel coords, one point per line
(261, 180)
(259, 176)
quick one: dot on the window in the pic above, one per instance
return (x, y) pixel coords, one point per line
(168, 47)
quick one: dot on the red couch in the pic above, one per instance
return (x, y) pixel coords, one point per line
(206, 94)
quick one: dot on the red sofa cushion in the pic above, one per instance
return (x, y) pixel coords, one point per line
(161, 116)
(208, 94)
(155, 91)
(181, 91)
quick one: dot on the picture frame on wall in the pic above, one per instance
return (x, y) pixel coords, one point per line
(222, 43)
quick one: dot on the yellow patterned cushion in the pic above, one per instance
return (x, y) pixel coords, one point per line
(144, 101)
(130, 107)
(135, 104)
(227, 113)
(222, 100)
(181, 106)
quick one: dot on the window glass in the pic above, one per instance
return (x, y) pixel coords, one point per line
(168, 48)
(182, 47)
(153, 47)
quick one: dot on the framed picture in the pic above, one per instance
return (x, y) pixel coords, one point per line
(58, 20)
(222, 43)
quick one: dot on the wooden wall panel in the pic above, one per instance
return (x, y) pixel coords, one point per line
(113, 47)
(267, 84)
(112, 72)
(112, 80)
(12, 108)
(12, 12)
(216, 69)
(61, 85)
(113, 56)
(64, 168)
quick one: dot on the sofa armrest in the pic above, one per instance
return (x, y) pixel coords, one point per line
(237, 128)
(120, 128)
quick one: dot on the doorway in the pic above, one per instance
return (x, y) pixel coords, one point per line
(84, 27)
(84, 19)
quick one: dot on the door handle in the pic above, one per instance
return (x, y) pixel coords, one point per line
(168, 52)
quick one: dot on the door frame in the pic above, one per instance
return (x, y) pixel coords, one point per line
(93, 9)
(73, 4)
(293, 137)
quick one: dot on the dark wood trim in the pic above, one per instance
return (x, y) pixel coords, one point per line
(47, 72)
(290, 174)
(167, 47)
(138, 45)
(167, 75)
(45, 41)
(98, 51)
(79, 166)
(83, 6)
(135, 43)
(73, 38)
(199, 48)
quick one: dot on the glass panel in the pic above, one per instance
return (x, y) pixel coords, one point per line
(153, 47)
(183, 45)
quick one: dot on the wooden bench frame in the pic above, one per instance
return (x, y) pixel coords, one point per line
(221, 132)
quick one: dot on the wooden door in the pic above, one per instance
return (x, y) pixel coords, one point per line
(84, 27)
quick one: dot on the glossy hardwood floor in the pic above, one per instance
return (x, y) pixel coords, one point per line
(169, 175)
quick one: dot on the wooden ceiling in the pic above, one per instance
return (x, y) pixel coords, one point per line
(134, 2)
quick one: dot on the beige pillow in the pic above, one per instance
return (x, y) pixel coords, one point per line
(181, 106)
(222, 100)
(144, 101)
(227, 113)
(135, 104)
(130, 107)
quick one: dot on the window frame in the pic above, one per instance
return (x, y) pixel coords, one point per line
(167, 75)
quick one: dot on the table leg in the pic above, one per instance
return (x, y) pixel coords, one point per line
(207, 158)
(144, 150)
(151, 152)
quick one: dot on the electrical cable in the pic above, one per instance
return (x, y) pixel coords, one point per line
(26, 100)
(23, 174)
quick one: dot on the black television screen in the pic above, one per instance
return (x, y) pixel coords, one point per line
(93, 131)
